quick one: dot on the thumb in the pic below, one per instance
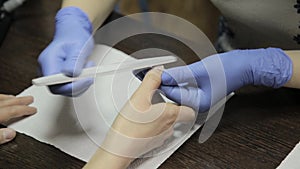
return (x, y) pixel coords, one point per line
(150, 84)
(6, 135)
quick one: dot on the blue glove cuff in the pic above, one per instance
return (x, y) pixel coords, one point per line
(273, 69)
(75, 13)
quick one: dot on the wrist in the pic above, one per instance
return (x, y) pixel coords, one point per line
(74, 14)
(104, 159)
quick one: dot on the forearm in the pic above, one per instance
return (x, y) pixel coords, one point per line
(294, 82)
(97, 10)
(103, 159)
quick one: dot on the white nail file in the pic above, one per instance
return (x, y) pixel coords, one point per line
(104, 70)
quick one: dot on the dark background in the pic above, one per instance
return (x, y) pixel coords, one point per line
(259, 126)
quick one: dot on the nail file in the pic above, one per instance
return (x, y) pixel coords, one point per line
(103, 70)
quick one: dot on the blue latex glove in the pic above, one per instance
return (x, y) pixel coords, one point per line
(228, 71)
(68, 51)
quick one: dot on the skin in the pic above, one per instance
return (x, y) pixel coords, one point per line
(162, 126)
(97, 10)
(13, 107)
(294, 82)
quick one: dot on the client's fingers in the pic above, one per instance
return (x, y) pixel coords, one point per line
(25, 100)
(150, 84)
(6, 97)
(6, 135)
(10, 112)
(179, 113)
(185, 114)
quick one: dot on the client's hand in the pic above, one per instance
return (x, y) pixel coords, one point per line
(140, 126)
(13, 107)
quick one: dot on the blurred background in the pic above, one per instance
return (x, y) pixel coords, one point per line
(199, 12)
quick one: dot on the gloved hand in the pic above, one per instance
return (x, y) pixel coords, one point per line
(228, 71)
(68, 51)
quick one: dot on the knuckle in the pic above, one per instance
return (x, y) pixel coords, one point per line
(23, 100)
(19, 101)
(171, 110)
(13, 110)
(153, 76)
(44, 53)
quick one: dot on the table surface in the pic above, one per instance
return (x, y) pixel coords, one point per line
(259, 126)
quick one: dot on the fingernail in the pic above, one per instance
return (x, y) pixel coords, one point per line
(34, 110)
(161, 68)
(9, 134)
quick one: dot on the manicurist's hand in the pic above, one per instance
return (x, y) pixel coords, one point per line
(13, 107)
(69, 50)
(140, 126)
(228, 71)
